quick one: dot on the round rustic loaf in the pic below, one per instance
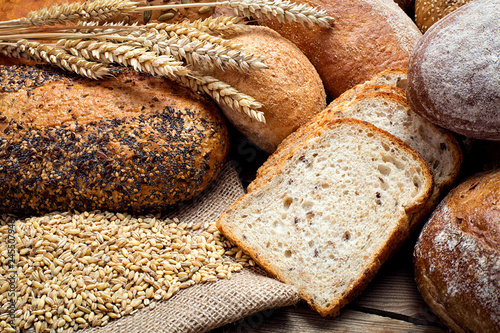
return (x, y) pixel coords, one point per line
(290, 89)
(367, 37)
(132, 142)
(428, 12)
(457, 256)
(454, 72)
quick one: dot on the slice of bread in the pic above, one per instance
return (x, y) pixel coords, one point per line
(396, 77)
(386, 108)
(337, 207)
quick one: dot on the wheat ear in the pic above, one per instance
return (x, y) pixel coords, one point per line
(283, 10)
(138, 58)
(202, 54)
(54, 56)
(225, 94)
(98, 10)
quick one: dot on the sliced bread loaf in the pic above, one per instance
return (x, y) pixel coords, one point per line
(335, 209)
(396, 77)
(385, 107)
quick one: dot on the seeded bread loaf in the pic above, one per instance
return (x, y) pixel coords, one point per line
(290, 89)
(368, 36)
(428, 12)
(337, 207)
(454, 71)
(457, 256)
(132, 142)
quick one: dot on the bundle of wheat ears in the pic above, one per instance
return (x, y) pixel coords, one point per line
(80, 37)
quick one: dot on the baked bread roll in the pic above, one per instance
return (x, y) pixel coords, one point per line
(290, 89)
(132, 142)
(337, 207)
(366, 37)
(428, 12)
(454, 72)
(457, 256)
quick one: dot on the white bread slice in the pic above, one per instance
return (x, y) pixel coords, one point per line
(396, 77)
(386, 108)
(335, 209)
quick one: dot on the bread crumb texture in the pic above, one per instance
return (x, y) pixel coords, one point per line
(328, 218)
(133, 142)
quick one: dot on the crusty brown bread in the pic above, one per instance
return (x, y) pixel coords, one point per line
(428, 12)
(367, 37)
(290, 89)
(457, 256)
(132, 142)
(338, 206)
(454, 72)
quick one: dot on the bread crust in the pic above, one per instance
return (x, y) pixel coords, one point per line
(290, 89)
(428, 12)
(393, 242)
(367, 37)
(457, 256)
(453, 78)
(133, 142)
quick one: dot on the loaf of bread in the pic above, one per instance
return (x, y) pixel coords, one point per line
(457, 256)
(366, 37)
(338, 205)
(132, 142)
(290, 89)
(428, 12)
(454, 72)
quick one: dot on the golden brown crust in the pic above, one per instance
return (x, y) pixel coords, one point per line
(290, 90)
(133, 142)
(428, 12)
(367, 37)
(457, 257)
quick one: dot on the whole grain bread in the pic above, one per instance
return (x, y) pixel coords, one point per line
(428, 12)
(386, 108)
(290, 89)
(132, 142)
(454, 71)
(457, 256)
(393, 76)
(367, 36)
(337, 207)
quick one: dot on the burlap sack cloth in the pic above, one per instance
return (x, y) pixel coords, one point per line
(204, 307)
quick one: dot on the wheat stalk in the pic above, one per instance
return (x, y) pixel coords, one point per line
(225, 94)
(98, 10)
(282, 10)
(201, 54)
(138, 58)
(210, 25)
(40, 52)
(146, 61)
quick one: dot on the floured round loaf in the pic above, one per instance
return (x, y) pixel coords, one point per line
(457, 256)
(132, 142)
(367, 37)
(290, 89)
(454, 72)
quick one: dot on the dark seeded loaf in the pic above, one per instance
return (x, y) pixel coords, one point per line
(132, 142)
(338, 205)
